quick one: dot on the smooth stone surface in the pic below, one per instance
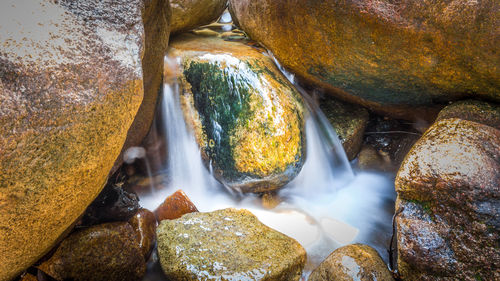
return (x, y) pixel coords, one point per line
(227, 244)
(247, 118)
(355, 262)
(473, 110)
(175, 206)
(144, 224)
(396, 57)
(70, 86)
(103, 252)
(349, 121)
(449, 189)
(189, 14)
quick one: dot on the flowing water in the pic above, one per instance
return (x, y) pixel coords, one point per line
(326, 206)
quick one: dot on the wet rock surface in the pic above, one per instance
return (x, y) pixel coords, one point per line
(349, 121)
(70, 86)
(175, 206)
(352, 262)
(230, 244)
(473, 110)
(391, 56)
(247, 118)
(387, 141)
(102, 252)
(144, 224)
(449, 192)
(189, 14)
(114, 203)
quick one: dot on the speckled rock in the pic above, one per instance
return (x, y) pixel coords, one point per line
(449, 191)
(352, 262)
(247, 118)
(230, 244)
(393, 56)
(369, 159)
(349, 121)
(70, 86)
(473, 110)
(189, 14)
(144, 224)
(102, 252)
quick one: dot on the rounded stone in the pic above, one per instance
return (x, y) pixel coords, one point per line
(189, 14)
(449, 196)
(352, 262)
(247, 118)
(227, 244)
(473, 110)
(102, 252)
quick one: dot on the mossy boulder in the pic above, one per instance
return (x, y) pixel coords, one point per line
(473, 110)
(397, 57)
(71, 83)
(189, 14)
(227, 244)
(449, 198)
(247, 118)
(102, 252)
(349, 121)
(352, 262)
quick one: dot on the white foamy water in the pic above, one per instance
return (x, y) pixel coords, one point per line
(325, 207)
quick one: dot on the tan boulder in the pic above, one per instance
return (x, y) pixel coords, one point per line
(397, 57)
(449, 198)
(227, 244)
(189, 14)
(473, 110)
(71, 83)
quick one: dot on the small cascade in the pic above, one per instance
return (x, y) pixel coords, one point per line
(325, 207)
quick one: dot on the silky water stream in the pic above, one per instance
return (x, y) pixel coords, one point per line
(326, 206)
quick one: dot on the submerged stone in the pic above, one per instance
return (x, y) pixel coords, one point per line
(398, 57)
(449, 193)
(102, 252)
(227, 244)
(247, 118)
(352, 262)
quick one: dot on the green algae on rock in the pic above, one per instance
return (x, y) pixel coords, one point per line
(397, 57)
(102, 252)
(352, 262)
(227, 244)
(349, 121)
(247, 118)
(449, 193)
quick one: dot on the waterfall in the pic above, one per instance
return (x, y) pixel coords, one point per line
(326, 206)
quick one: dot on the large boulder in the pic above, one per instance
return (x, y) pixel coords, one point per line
(392, 56)
(229, 244)
(352, 262)
(247, 118)
(449, 198)
(71, 83)
(189, 14)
